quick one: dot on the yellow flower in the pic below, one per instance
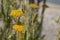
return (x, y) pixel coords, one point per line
(19, 28)
(33, 6)
(16, 13)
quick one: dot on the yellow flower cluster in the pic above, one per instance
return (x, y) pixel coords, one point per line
(16, 13)
(33, 6)
(19, 28)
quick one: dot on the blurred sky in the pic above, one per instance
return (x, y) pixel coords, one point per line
(54, 1)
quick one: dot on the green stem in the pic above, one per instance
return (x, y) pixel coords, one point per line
(41, 23)
(19, 36)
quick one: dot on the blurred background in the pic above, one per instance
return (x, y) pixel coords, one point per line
(54, 1)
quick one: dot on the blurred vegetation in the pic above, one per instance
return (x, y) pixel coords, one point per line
(20, 20)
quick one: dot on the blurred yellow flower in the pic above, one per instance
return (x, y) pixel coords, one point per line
(33, 6)
(16, 13)
(19, 28)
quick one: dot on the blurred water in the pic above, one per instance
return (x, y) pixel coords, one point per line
(54, 1)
